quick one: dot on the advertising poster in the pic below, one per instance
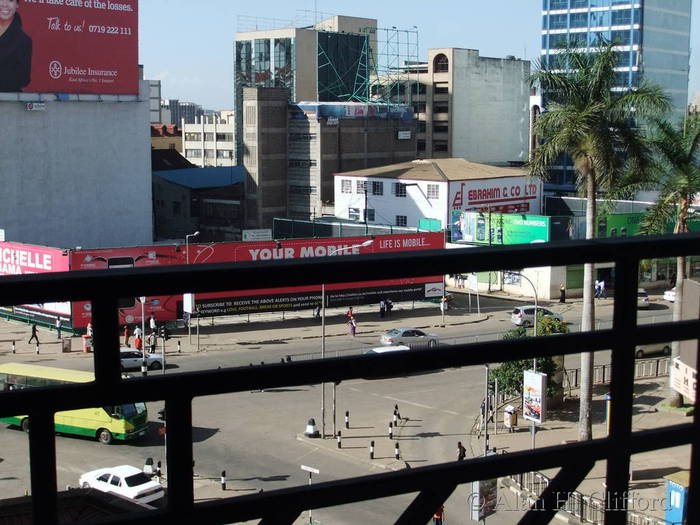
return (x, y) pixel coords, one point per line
(484, 498)
(497, 195)
(683, 379)
(22, 259)
(534, 396)
(499, 229)
(71, 46)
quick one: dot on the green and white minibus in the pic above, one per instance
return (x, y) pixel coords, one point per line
(121, 422)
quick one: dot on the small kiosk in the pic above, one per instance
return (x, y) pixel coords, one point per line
(676, 497)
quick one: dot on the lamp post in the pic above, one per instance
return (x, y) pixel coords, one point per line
(534, 289)
(323, 339)
(187, 261)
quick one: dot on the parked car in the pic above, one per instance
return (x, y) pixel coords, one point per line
(124, 480)
(411, 337)
(670, 295)
(642, 298)
(655, 348)
(132, 359)
(525, 315)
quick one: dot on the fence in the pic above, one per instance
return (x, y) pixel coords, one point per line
(643, 369)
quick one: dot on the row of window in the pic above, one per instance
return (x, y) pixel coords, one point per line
(438, 145)
(577, 4)
(438, 127)
(558, 61)
(209, 153)
(399, 188)
(625, 37)
(209, 137)
(618, 17)
(369, 216)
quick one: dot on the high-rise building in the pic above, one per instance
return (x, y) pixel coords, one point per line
(328, 61)
(208, 142)
(653, 38)
(179, 111)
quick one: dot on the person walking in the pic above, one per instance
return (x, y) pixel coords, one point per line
(318, 311)
(152, 323)
(349, 313)
(126, 335)
(439, 515)
(382, 308)
(597, 289)
(352, 325)
(137, 332)
(58, 328)
(461, 451)
(562, 293)
(152, 340)
(389, 306)
(88, 329)
(138, 343)
(33, 336)
(602, 294)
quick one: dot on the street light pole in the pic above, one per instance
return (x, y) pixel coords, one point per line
(323, 338)
(187, 261)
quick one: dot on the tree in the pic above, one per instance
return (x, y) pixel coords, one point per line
(510, 373)
(594, 126)
(677, 178)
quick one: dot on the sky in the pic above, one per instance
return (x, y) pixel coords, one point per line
(188, 44)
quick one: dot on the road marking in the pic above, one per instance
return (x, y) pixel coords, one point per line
(420, 405)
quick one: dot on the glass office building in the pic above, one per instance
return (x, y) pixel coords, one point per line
(653, 38)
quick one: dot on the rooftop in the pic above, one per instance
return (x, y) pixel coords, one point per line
(451, 169)
(199, 178)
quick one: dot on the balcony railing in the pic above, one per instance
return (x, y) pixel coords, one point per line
(434, 483)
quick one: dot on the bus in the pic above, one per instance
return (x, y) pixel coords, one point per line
(121, 422)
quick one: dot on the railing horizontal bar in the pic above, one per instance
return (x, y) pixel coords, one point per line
(353, 490)
(241, 379)
(135, 282)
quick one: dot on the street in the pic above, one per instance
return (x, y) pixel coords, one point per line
(257, 437)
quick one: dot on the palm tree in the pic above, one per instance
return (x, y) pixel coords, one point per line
(677, 178)
(595, 126)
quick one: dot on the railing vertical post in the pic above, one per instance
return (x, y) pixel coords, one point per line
(42, 466)
(179, 455)
(621, 390)
(105, 323)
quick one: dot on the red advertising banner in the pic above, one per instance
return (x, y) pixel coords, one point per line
(70, 46)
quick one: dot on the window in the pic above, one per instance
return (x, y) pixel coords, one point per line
(621, 38)
(399, 189)
(441, 88)
(193, 137)
(116, 480)
(193, 153)
(346, 186)
(421, 126)
(176, 208)
(377, 188)
(418, 89)
(208, 137)
(302, 190)
(419, 107)
(401, 220)
(439, 145)
(301, 163)
(433, 191)
(559, 4)
(441, 64)
(208, 153)
(442, 108)
(621, 17)
(578, 20)
(224, 154)
(557, 21)
(440, 127)
(557, 41)
(172, 146)
(369, 215)
(224, 137)
(104, 478)
(354, 214)
(301, 137)
(420, 145)
(361, 187)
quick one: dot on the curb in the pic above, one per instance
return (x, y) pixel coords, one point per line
(316, 442)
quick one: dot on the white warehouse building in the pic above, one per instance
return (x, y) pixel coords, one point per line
(403, 194)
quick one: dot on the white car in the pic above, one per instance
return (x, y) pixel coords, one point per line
(670, 295)
(124, 480)
(132, 359)
(411, 337)
(525, 315)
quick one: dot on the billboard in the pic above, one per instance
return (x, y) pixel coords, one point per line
(22, 259)
(499, 228)
(534, 396)
(70, 46)
(515, 194)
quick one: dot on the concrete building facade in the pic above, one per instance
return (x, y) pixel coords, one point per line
(209, 141)
(472, 107)
(76, 171)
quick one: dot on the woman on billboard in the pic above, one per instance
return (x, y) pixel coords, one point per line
(15, 49)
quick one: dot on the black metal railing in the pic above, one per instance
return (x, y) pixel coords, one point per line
(435, 483)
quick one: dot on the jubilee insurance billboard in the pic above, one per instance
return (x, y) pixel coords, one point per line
(70, 46)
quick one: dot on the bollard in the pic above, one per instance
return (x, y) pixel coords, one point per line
(282, 360)
(37, 349)
(13, 347)
(289, 359)
(193, 474)
(371, 450)
(396, 451)
(396, 418)
(158, 472)
(148, 466)
(391, 430)
(179, 347)
(223, 480)
(347, 419)
(144, 368)
(340, 445)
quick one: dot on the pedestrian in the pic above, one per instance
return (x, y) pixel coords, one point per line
(138, 343)
(349, 313)
(352, 325)
(672, 280)
(602, 295)
(126, 335)
(562, 293)
(439, 515)
(382, 308)
(461, 451)
(389, 306)
(137, 332)
(33, 336)
(152, 323)
(443, 304)
(597, 289)
(58, 328)
(318, 311)
(152, 341)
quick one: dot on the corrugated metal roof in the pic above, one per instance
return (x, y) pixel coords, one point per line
(198, 178)
(437, 169)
